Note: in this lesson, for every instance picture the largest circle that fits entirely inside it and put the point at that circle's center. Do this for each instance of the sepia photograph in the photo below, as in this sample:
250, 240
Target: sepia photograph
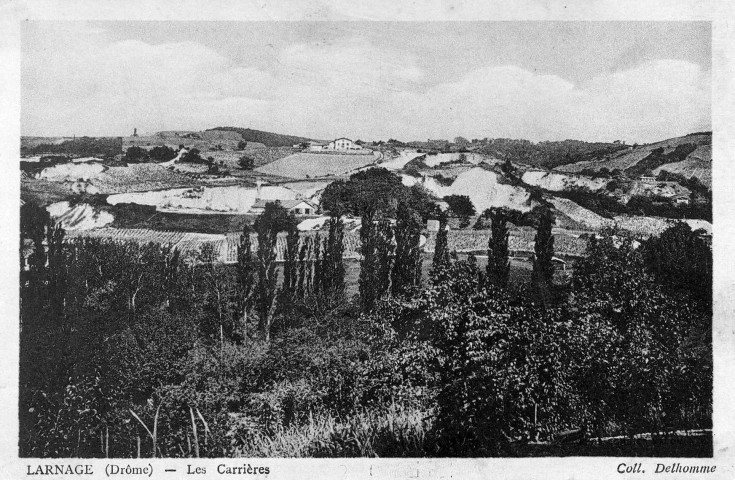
366, 239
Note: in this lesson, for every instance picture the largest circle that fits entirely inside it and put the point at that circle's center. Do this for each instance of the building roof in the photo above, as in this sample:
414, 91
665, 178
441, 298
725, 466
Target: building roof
342, 138
287, 204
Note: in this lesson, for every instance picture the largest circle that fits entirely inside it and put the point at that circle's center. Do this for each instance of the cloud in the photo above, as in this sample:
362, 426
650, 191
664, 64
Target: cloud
346, 87
646, 103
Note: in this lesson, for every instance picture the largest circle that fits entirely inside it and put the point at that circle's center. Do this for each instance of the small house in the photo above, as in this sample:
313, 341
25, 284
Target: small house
648, 179
298, 207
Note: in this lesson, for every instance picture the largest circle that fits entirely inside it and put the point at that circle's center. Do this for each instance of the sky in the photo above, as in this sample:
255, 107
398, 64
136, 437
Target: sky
595, 81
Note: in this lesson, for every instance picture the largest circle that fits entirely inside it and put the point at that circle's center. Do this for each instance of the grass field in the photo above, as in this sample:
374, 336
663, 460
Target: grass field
316, 165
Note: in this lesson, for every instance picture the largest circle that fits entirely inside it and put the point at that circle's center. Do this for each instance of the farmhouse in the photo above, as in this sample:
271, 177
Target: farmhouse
648, 179
299, 207
342, 144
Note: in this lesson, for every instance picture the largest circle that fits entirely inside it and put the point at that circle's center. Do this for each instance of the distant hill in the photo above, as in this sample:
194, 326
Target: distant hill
689, 155
548, 154
79, 146
266, 138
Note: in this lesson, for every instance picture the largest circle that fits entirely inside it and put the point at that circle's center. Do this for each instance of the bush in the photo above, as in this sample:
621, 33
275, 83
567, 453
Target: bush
246, 163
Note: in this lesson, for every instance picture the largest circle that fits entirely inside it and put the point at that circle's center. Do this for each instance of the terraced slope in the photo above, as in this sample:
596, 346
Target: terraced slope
697, 164
628, 159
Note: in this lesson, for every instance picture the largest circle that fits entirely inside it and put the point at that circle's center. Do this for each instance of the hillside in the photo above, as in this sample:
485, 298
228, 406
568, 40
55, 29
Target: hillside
688, 155
76, 146
266, 138
548, 154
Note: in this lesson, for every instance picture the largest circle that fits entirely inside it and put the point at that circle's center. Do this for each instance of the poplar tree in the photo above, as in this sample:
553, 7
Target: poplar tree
331, 278
290, 264
407, 266
441, 249
273, 220
368, 263
543, 268
498, 265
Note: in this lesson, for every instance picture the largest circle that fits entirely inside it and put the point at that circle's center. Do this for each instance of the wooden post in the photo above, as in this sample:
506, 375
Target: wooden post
138, 436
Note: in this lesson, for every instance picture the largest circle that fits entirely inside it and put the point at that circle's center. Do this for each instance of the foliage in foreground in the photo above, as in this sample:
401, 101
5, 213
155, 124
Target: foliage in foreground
128, 351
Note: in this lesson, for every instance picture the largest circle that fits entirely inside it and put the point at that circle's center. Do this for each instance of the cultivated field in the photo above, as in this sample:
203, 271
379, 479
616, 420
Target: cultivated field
581, 215
316, 165
697, 164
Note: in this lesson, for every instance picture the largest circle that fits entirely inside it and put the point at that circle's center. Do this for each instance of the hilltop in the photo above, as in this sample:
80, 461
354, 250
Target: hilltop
268, 139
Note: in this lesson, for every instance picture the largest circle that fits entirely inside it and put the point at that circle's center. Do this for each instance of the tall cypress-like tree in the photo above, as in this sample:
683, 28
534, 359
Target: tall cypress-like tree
305, 269
498, 265
273, 220
384, 249
407, 266
332, 274
368, 265
290, 264
543, 268
376, 265
441, 249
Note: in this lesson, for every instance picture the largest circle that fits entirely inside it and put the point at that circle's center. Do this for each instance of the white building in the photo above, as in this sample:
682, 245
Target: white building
341, 144
299, 207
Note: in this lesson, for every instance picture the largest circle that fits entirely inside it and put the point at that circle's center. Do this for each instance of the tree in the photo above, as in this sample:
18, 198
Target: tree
642, 354
375, 189
171, 273
217, 288
192, 156
305, 268
407, 266
135, 154
290, 264
441, 249
368, 262
246, 163
274, 219
543, 268
682, 261
241, 145
498, 265
460, 205
162, 153
384, 253
331, 279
